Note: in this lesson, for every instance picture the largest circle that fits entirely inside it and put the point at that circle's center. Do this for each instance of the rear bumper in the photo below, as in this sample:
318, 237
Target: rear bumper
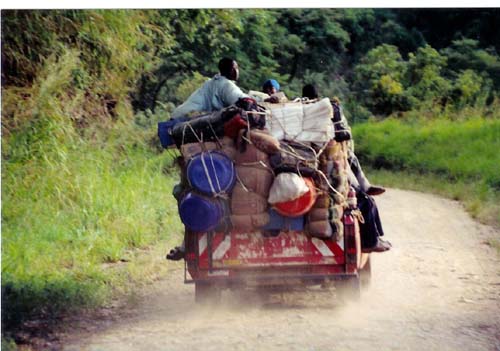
273, 280
279, 275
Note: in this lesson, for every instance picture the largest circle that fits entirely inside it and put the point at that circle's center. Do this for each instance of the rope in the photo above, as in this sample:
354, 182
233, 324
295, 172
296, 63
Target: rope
215, 172
330, 185
358, 215
205, 168
241, 183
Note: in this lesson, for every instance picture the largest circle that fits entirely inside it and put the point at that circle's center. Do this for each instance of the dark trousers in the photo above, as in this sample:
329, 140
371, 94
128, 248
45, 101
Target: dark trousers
371, 229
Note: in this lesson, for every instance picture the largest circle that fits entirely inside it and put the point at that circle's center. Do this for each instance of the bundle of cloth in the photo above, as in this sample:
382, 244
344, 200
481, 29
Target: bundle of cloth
259, 167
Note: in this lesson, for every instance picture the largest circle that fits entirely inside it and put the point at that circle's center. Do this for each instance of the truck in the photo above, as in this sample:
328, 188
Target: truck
238, 260
233, 258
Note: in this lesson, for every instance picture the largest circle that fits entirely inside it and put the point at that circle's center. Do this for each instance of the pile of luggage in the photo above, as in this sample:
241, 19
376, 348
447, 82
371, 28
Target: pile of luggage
267, 168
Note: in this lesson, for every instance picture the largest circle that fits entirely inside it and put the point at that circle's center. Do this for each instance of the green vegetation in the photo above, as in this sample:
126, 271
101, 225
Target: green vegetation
84, 182
454, 158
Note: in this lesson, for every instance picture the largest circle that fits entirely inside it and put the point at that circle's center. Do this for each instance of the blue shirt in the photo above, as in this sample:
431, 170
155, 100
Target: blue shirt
213, 95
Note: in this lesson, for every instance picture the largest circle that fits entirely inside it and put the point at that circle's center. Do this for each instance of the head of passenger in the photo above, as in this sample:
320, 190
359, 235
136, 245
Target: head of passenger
271, 86
309, 91
228, 68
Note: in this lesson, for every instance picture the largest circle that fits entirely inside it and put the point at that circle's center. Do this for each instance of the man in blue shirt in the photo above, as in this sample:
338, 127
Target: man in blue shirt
215, 94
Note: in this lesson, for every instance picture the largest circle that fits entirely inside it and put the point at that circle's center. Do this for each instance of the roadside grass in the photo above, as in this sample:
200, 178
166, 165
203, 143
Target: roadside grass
458, 159
84, 193
68, 222
482, 203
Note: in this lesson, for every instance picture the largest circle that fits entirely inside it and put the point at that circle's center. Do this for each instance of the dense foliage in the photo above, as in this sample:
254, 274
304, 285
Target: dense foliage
378, 61
82, 178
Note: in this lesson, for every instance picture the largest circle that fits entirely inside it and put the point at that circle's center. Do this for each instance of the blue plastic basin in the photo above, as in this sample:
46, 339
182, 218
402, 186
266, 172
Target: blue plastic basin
211, 173
199, 213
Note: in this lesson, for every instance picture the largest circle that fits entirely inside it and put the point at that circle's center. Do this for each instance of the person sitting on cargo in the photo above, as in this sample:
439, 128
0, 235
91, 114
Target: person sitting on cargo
371, 230
343, 133
272, 88
215, 94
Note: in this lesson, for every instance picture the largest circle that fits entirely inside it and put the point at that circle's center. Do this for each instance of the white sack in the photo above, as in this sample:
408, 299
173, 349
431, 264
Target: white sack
285, 120
301, 122
287, 187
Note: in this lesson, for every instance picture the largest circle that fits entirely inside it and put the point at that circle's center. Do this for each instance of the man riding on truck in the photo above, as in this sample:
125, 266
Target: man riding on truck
215, 94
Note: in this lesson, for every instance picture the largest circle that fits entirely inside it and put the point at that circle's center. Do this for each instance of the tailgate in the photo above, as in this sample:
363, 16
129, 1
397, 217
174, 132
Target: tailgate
240, 250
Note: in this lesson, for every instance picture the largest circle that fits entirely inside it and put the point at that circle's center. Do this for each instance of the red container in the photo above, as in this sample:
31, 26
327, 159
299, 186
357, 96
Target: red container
300, 205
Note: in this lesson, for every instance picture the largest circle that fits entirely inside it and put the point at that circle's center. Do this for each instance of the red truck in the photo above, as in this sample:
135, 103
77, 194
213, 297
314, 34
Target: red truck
218, 260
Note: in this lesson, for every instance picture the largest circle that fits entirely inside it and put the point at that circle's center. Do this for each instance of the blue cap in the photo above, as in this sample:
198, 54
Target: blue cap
271, 83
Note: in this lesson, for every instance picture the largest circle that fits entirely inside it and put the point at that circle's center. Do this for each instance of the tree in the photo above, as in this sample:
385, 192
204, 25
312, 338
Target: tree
466, 54
424, 80
322, 40
379, 79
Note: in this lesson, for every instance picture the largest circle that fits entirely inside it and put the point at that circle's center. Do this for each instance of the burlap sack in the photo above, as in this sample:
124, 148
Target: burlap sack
225, 145
249, 154
263, 141
322, 201
318, 214
319, 229
255, 178
294, 156
247, 202
336, 212
249, 222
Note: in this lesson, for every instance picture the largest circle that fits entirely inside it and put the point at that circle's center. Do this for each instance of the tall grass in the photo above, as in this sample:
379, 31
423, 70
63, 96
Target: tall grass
62, 220
460, 156
81, 187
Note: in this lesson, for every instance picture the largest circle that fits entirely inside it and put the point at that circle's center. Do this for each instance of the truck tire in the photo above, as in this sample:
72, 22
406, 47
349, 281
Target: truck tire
348, 289
365, 274
205, 293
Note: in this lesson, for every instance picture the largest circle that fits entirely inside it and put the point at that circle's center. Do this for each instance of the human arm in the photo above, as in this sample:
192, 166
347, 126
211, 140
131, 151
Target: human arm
230, 93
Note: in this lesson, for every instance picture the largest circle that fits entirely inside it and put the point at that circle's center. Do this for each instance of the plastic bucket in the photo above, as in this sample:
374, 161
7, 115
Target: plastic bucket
299, 206
198, 213
211, 173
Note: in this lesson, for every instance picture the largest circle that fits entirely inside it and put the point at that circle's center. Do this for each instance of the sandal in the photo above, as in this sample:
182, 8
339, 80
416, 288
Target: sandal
385, 242
374, 190
380, 246
176, 254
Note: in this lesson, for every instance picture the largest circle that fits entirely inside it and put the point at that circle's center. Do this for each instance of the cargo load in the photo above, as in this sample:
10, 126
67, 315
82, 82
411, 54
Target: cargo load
265, 167
265, 198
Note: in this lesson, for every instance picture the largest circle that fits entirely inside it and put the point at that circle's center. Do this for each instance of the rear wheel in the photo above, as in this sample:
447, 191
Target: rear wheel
348, 289
206, 293
365, 274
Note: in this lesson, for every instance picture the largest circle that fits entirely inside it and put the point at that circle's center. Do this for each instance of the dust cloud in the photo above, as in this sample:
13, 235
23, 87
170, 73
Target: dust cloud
437, 289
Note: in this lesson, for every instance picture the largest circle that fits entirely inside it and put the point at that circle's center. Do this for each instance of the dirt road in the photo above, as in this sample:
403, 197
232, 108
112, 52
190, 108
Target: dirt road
437, 289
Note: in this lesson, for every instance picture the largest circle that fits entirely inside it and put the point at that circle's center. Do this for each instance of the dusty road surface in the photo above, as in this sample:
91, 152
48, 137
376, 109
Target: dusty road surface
437, 289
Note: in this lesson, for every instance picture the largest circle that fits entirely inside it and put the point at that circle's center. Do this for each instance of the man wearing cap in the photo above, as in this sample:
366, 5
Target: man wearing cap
272, 88
215, 94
